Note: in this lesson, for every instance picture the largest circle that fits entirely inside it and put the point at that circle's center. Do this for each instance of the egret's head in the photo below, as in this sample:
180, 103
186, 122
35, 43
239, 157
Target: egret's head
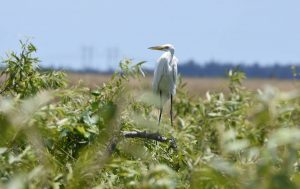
166, 47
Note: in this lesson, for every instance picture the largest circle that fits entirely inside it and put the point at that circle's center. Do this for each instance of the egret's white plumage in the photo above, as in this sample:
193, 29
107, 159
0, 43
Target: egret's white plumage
165, 75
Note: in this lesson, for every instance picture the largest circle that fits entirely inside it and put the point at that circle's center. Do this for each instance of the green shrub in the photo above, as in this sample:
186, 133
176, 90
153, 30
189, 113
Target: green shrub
72, 137
22, 74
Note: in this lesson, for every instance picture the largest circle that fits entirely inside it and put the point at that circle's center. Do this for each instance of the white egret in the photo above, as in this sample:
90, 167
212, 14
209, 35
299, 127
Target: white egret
165, 75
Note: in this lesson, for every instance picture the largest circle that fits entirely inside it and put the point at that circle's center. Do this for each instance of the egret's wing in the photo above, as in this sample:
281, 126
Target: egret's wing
158, 73
174, 71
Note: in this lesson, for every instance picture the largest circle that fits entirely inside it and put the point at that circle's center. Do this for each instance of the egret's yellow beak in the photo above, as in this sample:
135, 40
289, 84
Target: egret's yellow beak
159, 48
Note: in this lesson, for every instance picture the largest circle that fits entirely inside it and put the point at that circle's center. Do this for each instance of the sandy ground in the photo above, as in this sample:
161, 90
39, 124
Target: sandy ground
196, 86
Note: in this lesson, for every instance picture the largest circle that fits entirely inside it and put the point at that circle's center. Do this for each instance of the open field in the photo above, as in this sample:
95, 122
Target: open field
196, 86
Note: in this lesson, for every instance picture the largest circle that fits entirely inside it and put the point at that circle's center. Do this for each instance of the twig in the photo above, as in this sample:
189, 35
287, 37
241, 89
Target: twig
151, 136
3, 90
7, 88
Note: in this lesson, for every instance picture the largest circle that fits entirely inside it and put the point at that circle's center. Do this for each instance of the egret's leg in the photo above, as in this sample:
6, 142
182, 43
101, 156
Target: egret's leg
171, 110
160, 108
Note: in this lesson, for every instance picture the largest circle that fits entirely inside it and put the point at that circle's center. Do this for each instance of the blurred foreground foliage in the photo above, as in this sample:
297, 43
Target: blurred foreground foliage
53, 136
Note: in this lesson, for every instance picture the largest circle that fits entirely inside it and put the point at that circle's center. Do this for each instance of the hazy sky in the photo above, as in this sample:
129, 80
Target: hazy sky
224, 30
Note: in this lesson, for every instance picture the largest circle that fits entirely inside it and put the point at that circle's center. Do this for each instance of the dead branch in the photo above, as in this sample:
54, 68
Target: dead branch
151, 136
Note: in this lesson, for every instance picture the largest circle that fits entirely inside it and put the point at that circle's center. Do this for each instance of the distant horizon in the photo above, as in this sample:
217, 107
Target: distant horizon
213, 69
201, 64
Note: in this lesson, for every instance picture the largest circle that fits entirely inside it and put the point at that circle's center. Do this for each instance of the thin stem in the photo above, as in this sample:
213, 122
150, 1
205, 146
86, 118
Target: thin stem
160, 108
171, 110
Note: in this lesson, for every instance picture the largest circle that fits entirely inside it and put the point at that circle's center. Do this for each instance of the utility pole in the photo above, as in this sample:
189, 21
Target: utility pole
87, 56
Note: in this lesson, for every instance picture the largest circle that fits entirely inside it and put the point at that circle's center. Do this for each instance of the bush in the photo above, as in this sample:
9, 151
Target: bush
22, 74
73, 137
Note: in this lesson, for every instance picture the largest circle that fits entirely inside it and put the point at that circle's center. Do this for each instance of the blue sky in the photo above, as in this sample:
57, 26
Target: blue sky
266, 31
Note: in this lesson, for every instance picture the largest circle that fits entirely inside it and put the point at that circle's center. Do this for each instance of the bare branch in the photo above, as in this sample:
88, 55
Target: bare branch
151, 136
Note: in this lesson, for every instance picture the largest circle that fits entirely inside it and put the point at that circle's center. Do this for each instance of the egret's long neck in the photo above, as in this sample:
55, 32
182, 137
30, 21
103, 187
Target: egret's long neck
172, 54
